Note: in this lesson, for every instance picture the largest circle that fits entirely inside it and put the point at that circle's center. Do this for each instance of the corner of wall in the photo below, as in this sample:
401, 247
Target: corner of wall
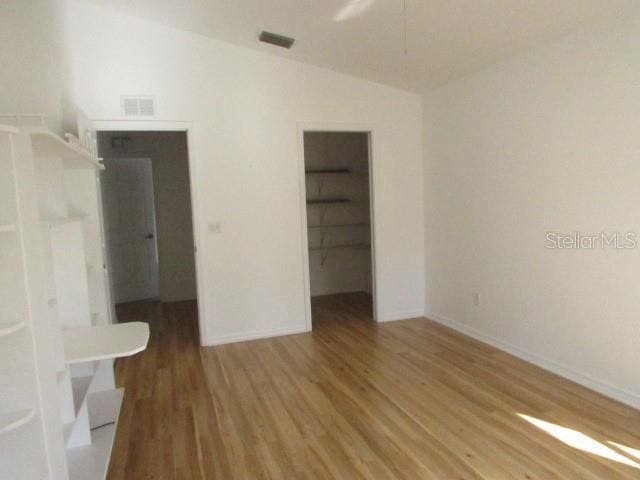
605, 389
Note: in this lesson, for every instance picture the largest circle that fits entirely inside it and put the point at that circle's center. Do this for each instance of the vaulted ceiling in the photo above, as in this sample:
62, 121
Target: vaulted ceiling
445, 39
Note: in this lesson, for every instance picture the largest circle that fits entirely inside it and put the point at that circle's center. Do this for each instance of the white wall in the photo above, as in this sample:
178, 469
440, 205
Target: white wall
31, 58
246, 107
345, 269
172, 199
548, 141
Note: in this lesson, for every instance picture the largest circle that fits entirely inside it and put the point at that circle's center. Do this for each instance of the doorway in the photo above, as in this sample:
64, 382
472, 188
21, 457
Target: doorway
146, 196
338, 204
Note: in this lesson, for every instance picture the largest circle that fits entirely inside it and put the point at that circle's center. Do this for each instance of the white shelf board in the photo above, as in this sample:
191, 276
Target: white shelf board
356, 246
9, 328
104, 407
52, 222
340, 225
47, 143
67, 429
80, 388
88, 344
92, 461
7, 227
8, 129
11, 421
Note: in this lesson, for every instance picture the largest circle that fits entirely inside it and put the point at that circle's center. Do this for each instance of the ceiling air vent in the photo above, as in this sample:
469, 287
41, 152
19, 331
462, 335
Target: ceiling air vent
275, 39
137, 105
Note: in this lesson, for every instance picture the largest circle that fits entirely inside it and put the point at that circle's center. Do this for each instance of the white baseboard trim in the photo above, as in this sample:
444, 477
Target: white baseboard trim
255, 335
400, 315
610, 391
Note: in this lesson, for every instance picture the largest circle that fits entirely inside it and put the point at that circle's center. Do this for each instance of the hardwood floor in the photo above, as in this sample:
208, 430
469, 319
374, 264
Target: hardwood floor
403, 400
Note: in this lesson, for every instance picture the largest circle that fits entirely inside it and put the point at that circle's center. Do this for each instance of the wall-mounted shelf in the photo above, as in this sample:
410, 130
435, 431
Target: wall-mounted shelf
88, 344
9, 328
340, 225
326, 171
7, 227
335, 247
8, 129
326, 201
61, 221
13, 420
73, 154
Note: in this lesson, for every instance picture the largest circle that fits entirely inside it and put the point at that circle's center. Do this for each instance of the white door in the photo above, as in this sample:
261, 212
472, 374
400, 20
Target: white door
130, 224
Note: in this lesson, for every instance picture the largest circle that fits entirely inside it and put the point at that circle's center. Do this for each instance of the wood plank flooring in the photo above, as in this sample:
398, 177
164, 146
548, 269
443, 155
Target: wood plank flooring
353, 400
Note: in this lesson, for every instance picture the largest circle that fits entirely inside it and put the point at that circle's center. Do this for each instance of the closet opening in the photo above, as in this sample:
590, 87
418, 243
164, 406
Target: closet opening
147, 211
339, 207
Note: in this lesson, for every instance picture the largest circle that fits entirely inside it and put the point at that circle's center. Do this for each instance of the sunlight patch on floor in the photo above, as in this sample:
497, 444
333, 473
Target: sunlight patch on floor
579, 440
628, 450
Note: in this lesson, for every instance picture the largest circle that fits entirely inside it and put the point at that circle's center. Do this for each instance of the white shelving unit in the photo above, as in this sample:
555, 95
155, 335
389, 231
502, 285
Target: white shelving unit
21, 433
105, 409
13, 420
9, 328
90, 344
73, 154
57, 339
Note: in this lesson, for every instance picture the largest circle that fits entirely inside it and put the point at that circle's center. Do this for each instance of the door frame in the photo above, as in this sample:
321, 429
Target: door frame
370, 130
172, 126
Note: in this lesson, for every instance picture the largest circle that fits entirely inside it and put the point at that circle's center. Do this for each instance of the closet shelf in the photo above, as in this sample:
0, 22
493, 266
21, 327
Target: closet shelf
73, 154
323, 201
61, 221
88, 344
7, 227
323, 171
8, 129
9, 328
13, 420
358, 246
341, 225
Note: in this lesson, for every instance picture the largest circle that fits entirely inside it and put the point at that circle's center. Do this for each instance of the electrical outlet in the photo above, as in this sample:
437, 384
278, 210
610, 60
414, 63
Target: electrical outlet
476, 299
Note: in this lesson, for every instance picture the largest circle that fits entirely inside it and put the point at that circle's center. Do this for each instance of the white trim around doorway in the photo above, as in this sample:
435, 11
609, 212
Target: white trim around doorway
172, 126
335, 127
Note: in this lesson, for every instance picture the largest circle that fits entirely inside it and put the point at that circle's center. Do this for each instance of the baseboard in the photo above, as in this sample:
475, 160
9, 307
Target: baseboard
400, 315
610, 391
255, 335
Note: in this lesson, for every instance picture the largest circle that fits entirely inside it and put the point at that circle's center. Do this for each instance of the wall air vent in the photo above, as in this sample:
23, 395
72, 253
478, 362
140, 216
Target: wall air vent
275, 39
137, 105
